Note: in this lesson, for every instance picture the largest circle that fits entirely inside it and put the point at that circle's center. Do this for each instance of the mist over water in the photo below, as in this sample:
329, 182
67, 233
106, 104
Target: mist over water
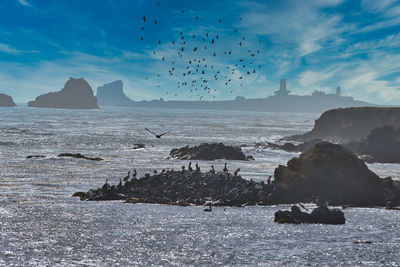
41, 224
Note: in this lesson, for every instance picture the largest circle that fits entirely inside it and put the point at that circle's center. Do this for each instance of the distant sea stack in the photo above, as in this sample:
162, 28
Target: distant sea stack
350, 124
112, 94
76, 94
6, 101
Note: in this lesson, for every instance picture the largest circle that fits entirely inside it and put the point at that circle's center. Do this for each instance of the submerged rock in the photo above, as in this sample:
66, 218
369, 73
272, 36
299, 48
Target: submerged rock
76, 94
208, 152
319, 215
329, 172
6, 101
35, 156
290, 147
78, 156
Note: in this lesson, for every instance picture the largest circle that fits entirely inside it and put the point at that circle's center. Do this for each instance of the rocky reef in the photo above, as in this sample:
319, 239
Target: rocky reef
290, 147
78, 156
76, 94
208, 152
112, 94
6, 101
331, 173
350, 124
321, 215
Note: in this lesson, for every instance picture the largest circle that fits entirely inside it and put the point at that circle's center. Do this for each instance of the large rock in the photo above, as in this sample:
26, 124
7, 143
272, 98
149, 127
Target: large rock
208, 152
112, 94
6, 101
381, 145
334, 174
76, 94
350, 124
321, 215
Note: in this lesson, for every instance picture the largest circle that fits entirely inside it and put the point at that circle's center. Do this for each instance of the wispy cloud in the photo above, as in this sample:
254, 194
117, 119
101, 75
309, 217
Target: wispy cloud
14, 51
24, 3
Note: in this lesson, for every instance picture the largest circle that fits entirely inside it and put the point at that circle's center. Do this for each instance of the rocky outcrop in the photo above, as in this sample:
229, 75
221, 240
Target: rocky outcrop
208, 152
78, 156
321, 215
290, 147
331, 173
112, 94
184, 188
350, 124
76, 94
6, 101
381, 145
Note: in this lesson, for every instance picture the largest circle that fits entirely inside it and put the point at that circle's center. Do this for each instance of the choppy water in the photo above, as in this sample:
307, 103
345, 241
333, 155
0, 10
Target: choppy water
41, 224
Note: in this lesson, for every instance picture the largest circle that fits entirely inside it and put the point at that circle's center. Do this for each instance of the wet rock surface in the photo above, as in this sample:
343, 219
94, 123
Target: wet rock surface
208, 152
78, 156
290, 147
322, 215
331, 173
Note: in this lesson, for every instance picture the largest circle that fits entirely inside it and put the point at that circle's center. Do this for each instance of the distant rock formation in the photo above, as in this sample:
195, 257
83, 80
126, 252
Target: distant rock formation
76, 94
350, 124
112, 94
208, 152
381, 145
330, 173
6, 101
320, 214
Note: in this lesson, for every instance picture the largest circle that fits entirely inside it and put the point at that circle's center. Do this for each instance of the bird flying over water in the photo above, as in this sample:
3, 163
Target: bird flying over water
157, 135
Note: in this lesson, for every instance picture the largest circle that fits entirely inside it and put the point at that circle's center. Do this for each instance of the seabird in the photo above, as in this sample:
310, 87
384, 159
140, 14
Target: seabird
209, 209
157, 135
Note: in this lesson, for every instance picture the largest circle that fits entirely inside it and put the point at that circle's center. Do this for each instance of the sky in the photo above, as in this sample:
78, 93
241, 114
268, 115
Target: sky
314, 44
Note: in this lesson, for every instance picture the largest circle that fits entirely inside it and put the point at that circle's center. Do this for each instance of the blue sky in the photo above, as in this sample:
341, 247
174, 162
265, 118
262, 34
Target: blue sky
314, 44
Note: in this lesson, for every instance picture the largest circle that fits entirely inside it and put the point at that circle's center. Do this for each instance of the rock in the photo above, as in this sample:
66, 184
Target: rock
381, 145
112, 94
334, 174
350, 124
185, 188
35, 156
78, 156
249, 157
76, 94
138, 146
290, 147
6, 101
208, 152
318, 215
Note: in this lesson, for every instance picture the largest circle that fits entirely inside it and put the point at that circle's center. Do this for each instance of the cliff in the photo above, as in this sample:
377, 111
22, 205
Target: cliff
6, 101
112, 94
76, 94
350, 124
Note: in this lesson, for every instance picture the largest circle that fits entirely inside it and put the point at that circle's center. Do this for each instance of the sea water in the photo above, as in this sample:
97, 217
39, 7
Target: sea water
41, 224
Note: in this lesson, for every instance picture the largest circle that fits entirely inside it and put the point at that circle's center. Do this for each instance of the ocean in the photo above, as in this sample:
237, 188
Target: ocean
42, 225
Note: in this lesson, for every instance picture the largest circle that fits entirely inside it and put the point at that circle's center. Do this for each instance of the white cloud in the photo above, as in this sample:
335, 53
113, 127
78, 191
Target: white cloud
12, 50
24, 3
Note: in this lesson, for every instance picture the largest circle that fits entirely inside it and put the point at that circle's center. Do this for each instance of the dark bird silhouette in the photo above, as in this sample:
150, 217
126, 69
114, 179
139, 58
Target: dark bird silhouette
155, 21
142, 28
158, 3
236, 172
197, 167
144, 18
225, 168
182, 11
212, 169
157, 135
219, 20
209, 209
127, 177
196, 18
190, 167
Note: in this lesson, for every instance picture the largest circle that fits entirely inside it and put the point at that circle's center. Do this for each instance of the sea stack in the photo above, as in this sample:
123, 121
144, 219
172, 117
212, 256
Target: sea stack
112, 94
6, 101
76, 94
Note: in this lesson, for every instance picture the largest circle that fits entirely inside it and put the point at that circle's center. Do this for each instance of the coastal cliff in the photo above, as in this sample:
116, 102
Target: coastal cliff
76, 94
6, 101
350, 124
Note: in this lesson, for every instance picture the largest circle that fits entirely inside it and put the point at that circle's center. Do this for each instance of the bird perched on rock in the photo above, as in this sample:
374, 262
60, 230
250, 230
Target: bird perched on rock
236, 172
127, 177
134, 173
209, 209
190, 167
197, 167
183, 168
225, 168
212, 169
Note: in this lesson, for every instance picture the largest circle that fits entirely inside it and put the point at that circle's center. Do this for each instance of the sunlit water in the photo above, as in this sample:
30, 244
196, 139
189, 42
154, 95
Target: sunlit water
41, 224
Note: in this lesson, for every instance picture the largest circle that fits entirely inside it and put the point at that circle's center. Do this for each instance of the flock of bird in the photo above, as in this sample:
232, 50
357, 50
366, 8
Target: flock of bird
198, 63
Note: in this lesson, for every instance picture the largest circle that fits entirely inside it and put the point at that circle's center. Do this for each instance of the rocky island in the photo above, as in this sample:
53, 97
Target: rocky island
6, 101
76, 94
112, 94
328, 173
207, 151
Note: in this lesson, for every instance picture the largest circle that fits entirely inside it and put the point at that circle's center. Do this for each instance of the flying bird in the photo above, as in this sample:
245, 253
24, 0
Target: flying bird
157, 135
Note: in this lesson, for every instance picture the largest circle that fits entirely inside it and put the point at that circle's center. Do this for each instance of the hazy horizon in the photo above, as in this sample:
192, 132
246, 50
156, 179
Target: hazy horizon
315, 45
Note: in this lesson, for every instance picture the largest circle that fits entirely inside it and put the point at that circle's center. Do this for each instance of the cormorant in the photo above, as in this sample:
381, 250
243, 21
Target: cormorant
212, 169
225, 168
236, 172
209, 209
197, 167
190, 167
